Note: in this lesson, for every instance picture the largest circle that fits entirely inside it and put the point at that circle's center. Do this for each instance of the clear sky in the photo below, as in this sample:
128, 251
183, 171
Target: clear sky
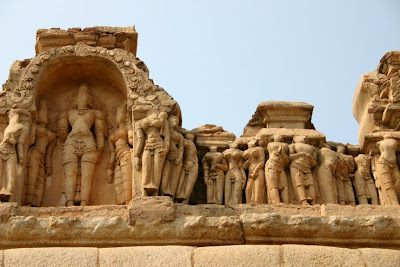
219, 59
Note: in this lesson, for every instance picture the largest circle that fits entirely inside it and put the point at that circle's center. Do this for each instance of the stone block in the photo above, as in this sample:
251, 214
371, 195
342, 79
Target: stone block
51, 257
242, 255
303, 255
146, 256
151, 208
381, 257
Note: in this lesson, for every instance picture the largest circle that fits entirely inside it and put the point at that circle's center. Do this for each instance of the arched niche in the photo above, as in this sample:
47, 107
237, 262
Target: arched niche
58, 83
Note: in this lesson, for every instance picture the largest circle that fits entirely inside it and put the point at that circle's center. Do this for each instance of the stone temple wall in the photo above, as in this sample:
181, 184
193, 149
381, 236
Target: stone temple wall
96, 169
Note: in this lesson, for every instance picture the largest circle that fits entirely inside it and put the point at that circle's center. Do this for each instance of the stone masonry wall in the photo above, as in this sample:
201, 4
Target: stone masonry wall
237, 255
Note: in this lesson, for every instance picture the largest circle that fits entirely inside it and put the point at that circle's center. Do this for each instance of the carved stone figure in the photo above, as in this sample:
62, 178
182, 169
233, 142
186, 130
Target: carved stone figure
364, 184
12, 153
39, 160
173, 161
387, 172
214, 166
189, 171
235, 179
81, 150
153, 141
344, 169
275, 176
302, 158
254, 158
326, 175
120, 160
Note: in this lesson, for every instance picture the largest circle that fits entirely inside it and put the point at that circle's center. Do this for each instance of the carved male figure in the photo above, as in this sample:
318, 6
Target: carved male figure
387, 172
235, 178
302, 158
174, 159
275, 176
120, 160
153, 141
39, 160
364, 184
189, 171
12, 152
326, 175
82, 149
254, 158
214, 166
345, 167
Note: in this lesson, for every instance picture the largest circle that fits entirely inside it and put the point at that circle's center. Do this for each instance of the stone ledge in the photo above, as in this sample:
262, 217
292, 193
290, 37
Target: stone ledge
236, 255
158, 221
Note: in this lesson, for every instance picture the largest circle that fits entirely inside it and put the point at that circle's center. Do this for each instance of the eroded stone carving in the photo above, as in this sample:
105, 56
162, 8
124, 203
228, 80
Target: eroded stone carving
173, 161
189, 171
275, 176
326, 175
387, 175
153, 142
39, 159
82, 149
254, 158
345, 167
12, 153
214, 166
120, 163
302, 158
364, 184
235, 179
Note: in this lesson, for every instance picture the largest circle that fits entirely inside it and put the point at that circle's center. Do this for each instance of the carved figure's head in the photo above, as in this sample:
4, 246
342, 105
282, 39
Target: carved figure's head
83, 97
121, 114
189, 136
213, 148
299, 139
173, 121
341, 149
278, 138
42, 113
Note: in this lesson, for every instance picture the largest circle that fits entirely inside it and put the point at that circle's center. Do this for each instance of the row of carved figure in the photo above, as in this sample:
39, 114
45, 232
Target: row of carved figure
165, 158
341, 178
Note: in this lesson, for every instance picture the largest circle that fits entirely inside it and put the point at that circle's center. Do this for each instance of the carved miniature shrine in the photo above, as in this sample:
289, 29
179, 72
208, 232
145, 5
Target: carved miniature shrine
82, 124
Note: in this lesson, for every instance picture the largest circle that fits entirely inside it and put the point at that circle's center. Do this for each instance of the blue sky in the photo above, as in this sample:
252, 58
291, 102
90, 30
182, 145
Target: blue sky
219, 59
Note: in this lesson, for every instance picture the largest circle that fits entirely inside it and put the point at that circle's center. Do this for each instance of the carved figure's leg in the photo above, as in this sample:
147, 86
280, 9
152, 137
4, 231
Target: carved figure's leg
341, 190
283, 184
11, 173
249, 191
126, 173
229, 188
32, 175
237, 188
359, 185
272, 179
349, 192
259, 187
118, 184
40, 184
191, 180
157, 169
166, 178
70, 173
87, 173
372, 192
174, 178
219, 190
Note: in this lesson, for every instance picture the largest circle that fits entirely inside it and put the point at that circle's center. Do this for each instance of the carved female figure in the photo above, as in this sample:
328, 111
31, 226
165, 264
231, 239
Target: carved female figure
387, 171
81, 150
363, 183
254, 158
189, 171
120, 159
275, 176
326, 175
153, 141
302, 158
235, 178
214, 166
12, 152
39, 160
173, 161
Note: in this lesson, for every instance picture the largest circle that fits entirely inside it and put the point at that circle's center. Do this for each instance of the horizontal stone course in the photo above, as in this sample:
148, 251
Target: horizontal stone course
236, 255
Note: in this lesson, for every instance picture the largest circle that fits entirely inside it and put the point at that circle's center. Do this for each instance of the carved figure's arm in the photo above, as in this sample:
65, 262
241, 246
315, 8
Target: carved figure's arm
63, 127
32, 134
49, 151
139, 145
100, 130
206, 168
111, 161
20, 144
223, 166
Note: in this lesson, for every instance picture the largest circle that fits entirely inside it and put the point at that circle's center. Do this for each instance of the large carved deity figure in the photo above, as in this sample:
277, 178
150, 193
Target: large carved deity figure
235, 179
39, 161
302, 158
345, 167
173, 161
364, 185
214, 166
254, 158
120, 160
326, 175
12, 153
153, 141
189, 171
82, 148
387, 175
275, 176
